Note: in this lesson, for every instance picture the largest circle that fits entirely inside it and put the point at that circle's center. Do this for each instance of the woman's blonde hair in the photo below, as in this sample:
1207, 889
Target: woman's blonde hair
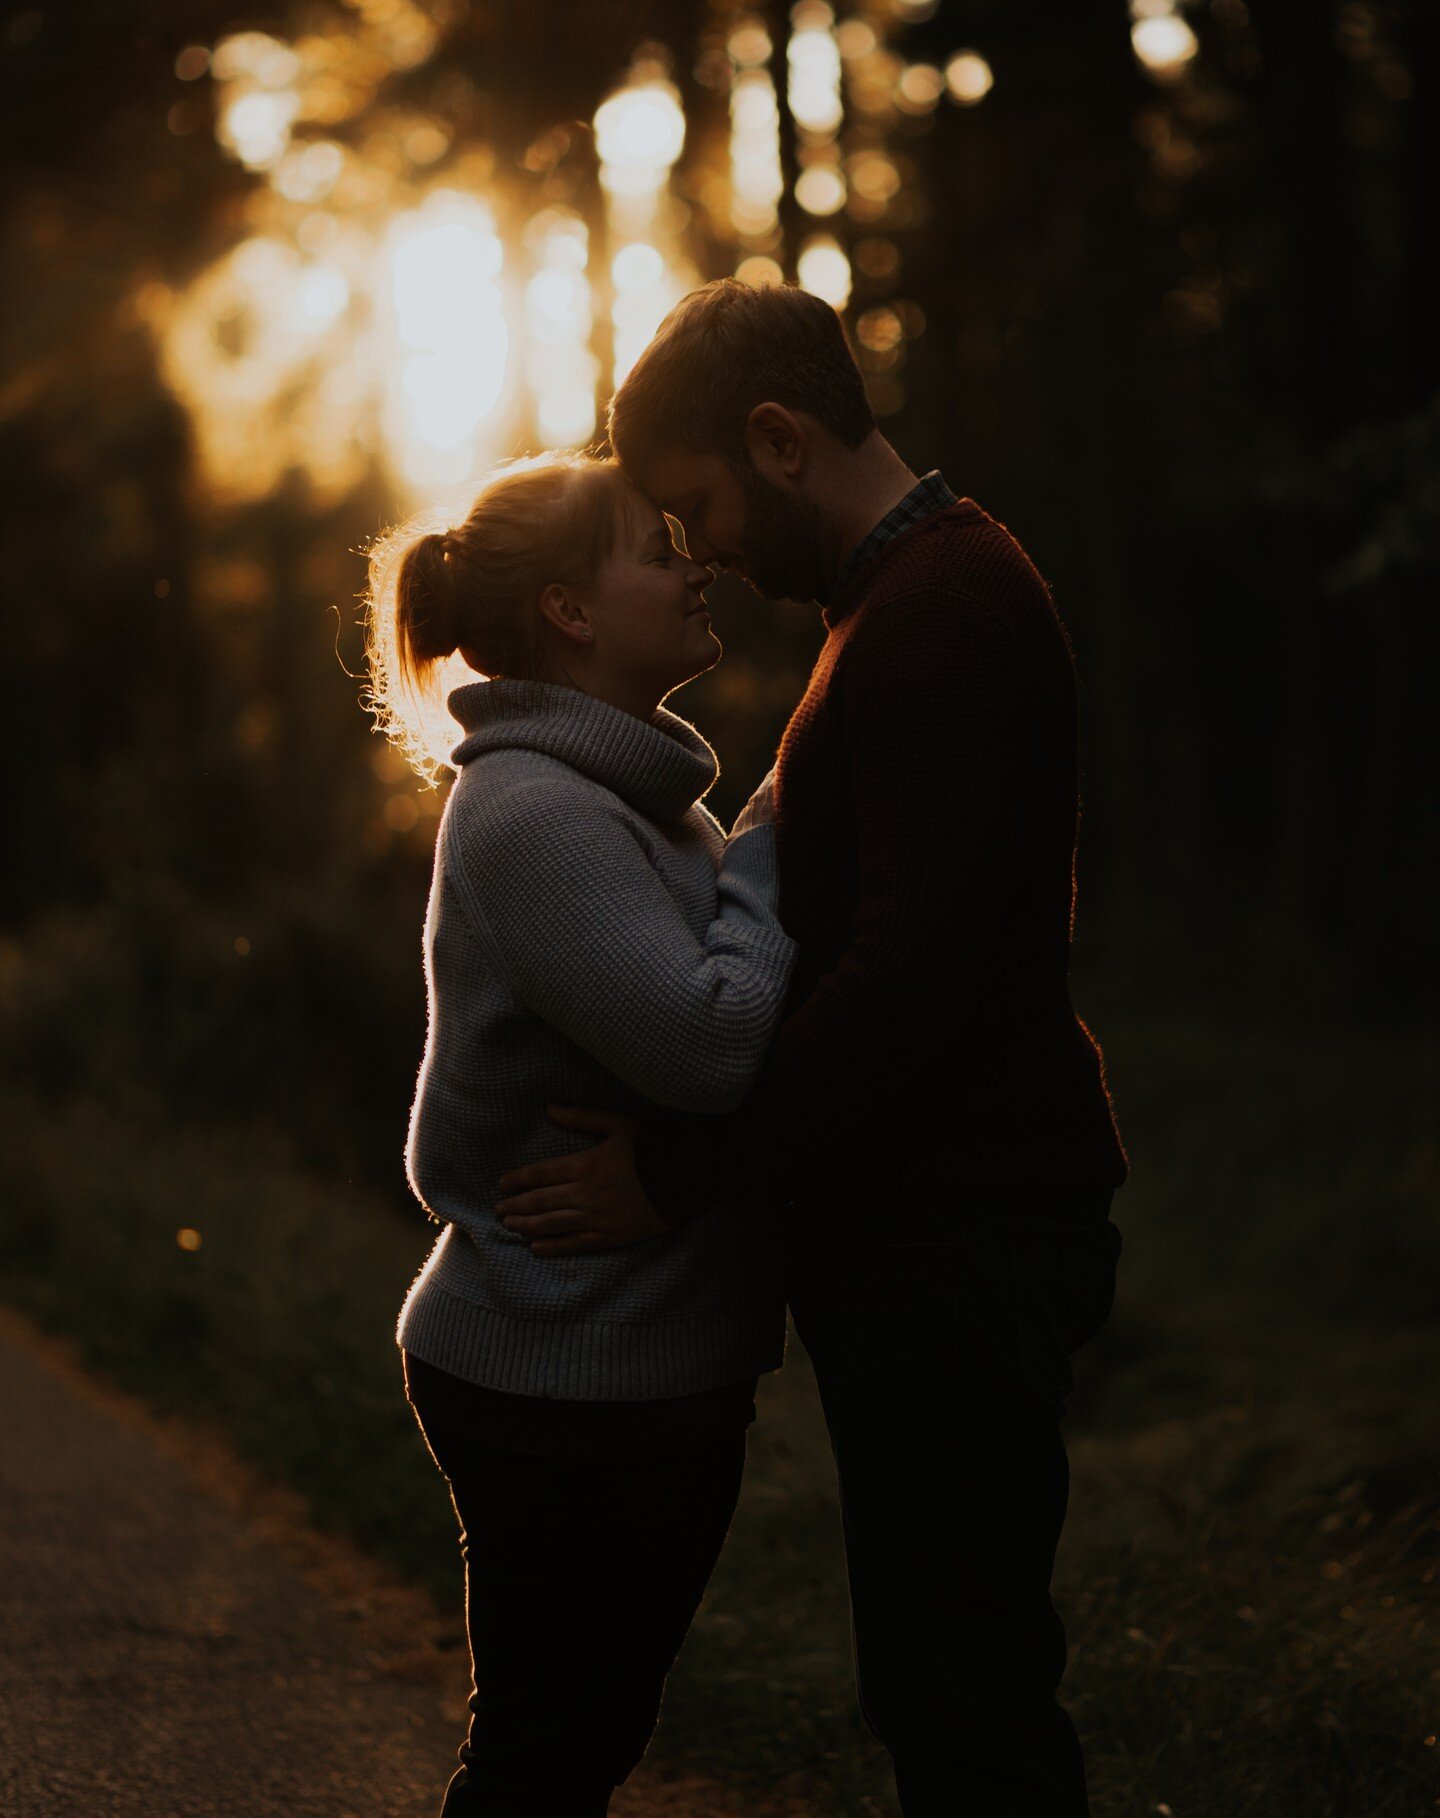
474, 587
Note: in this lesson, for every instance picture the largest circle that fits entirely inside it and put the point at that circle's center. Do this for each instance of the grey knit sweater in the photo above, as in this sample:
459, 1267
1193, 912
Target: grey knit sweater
591, 939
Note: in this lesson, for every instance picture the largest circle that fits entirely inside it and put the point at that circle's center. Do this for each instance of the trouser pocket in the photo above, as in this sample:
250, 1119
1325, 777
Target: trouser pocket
1064, 1283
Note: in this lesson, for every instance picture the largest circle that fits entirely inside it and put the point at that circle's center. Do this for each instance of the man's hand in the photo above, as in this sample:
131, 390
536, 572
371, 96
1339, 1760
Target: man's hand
592, 1200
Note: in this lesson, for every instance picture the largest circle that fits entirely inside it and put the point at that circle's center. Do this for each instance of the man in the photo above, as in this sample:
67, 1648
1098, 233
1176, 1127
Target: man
933, 1111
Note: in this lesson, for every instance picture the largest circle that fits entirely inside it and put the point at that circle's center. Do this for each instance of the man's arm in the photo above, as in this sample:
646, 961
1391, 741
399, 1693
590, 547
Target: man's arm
940, 702
940, 697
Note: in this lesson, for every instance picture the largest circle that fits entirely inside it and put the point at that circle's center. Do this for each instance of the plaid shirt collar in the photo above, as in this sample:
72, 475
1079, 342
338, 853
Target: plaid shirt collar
924, 499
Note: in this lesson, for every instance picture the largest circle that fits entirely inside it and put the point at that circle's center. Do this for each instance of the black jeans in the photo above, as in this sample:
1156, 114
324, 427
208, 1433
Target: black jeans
943, 1368
582, 1575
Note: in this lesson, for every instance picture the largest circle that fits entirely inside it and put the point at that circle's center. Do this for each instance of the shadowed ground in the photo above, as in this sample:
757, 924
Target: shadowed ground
1248, 1574
178, 1643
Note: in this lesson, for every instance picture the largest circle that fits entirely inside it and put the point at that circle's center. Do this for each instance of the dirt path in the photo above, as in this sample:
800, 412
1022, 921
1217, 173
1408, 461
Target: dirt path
175, 1642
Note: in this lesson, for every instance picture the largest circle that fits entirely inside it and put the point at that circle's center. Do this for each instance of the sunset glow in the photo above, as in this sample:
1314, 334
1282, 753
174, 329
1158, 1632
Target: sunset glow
450, 340
968, 77
824, 270
250, 347
1161, 38
1163, 42
820, 190
757, 181
639, 133
562, 371
393, 300
814, 64
258, 99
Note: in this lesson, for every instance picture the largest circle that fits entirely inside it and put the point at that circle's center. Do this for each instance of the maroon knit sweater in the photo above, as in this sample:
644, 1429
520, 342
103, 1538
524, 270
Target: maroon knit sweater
931, 1065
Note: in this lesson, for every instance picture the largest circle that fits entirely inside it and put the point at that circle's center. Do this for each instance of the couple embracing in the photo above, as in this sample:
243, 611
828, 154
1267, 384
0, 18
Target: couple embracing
675, 1078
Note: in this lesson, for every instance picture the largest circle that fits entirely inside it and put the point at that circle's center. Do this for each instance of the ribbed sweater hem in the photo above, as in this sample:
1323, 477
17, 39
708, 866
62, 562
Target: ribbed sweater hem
589, 1360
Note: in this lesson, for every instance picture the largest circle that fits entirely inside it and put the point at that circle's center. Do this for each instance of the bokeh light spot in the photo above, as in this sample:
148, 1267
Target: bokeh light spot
758, 271
968, 77
820, 190
824, 270
919, 88
880, 330
401, 813
1164, 43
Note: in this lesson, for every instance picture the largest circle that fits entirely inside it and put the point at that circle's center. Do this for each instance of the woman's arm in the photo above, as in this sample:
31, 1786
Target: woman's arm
570, 909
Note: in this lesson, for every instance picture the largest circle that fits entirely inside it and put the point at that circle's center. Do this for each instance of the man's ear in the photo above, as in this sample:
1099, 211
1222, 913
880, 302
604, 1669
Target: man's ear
563, 612
777, 441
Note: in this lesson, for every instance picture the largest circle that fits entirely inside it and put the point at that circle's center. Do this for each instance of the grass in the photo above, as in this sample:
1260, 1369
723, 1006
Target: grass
1249, 1571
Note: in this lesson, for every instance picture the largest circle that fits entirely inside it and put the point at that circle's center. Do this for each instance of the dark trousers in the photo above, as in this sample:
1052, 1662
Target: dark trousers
943, 1368
582, 1576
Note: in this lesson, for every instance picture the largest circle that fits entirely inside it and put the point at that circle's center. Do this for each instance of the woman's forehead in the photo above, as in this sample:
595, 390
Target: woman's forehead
641, 518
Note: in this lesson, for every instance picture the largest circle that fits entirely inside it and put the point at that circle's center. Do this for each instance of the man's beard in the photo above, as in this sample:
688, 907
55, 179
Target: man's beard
786, 541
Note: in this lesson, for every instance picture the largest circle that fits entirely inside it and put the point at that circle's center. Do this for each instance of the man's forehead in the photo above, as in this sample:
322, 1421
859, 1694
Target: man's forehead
673, 477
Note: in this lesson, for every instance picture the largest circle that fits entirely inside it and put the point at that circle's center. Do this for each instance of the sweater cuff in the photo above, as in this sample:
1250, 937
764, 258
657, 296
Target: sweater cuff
750, 857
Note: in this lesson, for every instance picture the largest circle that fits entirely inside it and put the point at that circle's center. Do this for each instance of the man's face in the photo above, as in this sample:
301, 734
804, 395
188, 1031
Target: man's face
775, 538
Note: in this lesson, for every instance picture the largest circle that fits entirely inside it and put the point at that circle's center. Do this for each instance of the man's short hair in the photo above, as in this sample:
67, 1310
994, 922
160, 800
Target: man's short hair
724, 349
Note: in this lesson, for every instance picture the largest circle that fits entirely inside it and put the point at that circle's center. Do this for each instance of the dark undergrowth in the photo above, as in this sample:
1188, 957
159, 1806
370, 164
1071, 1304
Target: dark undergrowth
1249, 1571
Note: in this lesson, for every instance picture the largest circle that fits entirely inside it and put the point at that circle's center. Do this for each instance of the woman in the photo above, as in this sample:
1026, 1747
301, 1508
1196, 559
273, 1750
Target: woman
592, 938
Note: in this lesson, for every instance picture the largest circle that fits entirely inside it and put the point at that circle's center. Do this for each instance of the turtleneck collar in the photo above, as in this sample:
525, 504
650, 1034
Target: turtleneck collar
660, 768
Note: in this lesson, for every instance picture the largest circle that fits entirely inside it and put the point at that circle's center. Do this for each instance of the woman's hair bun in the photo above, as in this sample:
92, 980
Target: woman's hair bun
429, 603
474, 588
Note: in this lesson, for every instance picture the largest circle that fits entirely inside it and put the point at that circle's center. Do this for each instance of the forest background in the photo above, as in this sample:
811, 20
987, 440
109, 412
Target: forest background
1175, 323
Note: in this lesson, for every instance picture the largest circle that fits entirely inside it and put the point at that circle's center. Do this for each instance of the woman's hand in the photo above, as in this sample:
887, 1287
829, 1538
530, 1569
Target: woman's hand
591, 1200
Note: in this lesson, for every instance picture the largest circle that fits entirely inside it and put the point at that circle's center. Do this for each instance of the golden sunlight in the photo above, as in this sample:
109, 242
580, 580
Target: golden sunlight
450, 341
968, 77
252, 335
1162, 40
824, 270
259, 102
562, 371
813, 56
393, 300
757, 179
759, 270
919, 88
820, 190
639, 133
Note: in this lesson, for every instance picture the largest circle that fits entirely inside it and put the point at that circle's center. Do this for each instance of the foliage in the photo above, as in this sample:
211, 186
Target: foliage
1248, 1573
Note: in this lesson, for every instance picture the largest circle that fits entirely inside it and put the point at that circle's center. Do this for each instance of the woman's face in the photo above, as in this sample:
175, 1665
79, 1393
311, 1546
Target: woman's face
645, 612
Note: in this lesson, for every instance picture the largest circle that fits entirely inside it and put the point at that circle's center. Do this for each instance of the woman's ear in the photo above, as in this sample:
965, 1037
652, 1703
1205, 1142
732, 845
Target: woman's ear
563, 612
